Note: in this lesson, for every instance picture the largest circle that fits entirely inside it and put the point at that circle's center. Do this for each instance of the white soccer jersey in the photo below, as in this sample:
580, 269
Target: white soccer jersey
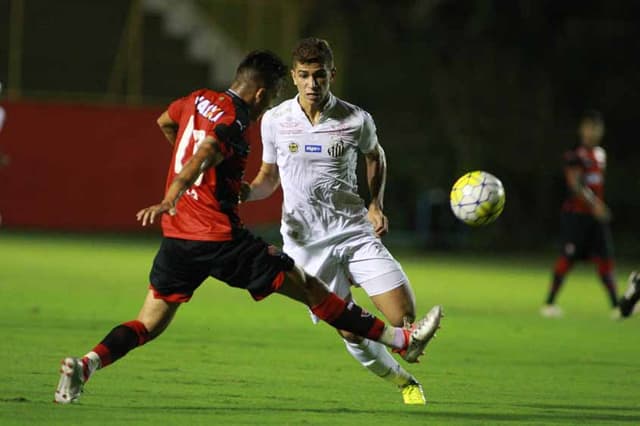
317, 167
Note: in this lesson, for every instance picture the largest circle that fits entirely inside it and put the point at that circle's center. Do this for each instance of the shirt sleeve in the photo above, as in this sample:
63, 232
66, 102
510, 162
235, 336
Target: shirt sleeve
368, 136
175, 109
229, 132
2, 117
269, 154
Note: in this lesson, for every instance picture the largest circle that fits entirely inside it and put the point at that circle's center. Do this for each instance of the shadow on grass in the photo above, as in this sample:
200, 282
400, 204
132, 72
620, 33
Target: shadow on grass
423, 413
584, 413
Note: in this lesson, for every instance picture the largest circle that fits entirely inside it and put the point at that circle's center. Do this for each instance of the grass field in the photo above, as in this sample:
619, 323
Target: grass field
227, 360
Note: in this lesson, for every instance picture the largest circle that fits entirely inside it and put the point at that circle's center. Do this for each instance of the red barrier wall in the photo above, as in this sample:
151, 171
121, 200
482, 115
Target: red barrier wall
91, 167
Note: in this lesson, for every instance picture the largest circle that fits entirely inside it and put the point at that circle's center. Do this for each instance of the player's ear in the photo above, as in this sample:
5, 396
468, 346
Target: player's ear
260, 95
333, 74
293, 75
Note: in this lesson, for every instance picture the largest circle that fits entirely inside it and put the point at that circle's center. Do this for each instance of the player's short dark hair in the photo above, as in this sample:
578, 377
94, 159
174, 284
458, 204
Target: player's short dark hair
264, 67
593, 116
313, 50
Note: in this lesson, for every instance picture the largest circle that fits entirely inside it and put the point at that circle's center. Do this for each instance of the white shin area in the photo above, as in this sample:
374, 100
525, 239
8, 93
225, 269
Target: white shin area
376, 358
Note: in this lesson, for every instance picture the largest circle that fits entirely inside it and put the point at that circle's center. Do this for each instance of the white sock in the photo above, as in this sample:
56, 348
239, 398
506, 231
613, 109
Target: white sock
93, 362
376, 358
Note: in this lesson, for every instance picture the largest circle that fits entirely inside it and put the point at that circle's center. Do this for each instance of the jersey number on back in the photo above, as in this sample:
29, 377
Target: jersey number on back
198, 136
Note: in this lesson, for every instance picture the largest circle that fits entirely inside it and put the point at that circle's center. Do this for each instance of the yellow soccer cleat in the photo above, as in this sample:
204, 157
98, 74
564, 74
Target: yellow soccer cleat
412, 394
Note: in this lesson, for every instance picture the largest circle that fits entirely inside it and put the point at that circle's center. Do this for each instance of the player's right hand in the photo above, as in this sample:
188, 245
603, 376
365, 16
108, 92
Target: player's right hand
602, 212
147, 215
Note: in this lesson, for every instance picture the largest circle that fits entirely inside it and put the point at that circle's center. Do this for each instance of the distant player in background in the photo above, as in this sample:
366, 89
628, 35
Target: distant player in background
4, 159
585, 216
311, 145
204, 236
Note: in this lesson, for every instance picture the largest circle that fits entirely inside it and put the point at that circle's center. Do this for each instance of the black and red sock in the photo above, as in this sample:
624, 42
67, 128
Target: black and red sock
120, 341
348, 316
607, 276
560, 270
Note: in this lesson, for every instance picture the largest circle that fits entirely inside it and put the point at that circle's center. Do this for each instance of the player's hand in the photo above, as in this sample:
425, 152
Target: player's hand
150, 213
378, 220
602, 212
245, 191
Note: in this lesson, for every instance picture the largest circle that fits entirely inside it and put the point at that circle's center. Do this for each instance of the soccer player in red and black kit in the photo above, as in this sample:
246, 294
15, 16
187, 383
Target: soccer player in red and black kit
585, 216
203, 235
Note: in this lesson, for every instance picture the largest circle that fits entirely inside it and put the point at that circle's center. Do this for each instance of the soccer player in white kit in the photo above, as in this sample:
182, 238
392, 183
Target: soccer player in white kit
310, 146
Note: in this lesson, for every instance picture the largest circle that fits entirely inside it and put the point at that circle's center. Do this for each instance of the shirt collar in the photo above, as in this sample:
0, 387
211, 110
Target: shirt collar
331, 102
236, 96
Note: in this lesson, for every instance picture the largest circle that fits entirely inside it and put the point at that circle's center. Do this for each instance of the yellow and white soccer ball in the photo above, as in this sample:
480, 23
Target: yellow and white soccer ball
477, 198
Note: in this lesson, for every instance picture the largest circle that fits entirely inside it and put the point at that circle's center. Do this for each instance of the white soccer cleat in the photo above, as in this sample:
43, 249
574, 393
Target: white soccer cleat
71, 381
631, 296
420, 333
551, 311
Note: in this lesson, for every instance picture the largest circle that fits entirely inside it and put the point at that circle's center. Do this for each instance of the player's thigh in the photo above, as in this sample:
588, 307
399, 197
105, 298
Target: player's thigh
250, 263
180, 267
602, 243
372, 267
156, 313
576, 235
322, 262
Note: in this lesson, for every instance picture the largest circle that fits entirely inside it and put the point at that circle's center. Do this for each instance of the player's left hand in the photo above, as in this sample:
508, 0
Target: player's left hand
378, 220
148, 214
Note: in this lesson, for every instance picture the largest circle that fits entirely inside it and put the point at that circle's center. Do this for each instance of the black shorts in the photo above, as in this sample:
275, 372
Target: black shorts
584, 237
245, 262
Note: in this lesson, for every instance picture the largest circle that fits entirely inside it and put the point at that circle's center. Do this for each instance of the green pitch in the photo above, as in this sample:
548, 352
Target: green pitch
227, 360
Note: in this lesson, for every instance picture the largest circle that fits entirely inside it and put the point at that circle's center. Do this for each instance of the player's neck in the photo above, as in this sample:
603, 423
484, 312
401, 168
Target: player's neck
313, 111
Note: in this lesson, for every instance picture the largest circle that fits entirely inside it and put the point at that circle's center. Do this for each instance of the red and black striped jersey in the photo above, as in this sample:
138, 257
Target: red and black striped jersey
592, 163
208, 211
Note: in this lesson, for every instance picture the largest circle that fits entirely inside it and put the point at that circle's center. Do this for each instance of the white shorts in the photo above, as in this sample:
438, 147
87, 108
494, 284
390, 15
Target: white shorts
360, 260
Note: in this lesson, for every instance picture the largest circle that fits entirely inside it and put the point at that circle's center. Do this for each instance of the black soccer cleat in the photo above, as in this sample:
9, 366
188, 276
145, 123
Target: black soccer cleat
631, 295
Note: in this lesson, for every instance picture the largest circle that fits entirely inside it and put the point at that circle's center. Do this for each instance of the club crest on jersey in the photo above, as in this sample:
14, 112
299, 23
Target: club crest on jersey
312, 148
293, 147
336, 150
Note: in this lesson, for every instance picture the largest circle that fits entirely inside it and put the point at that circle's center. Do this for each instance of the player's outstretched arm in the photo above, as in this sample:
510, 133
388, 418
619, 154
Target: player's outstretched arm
377, 178
168, 127
207, 155
573, 175
264, 184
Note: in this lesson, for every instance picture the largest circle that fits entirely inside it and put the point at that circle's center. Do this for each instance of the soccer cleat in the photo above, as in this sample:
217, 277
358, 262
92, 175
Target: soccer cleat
412, 393
631, 295
71, 381
551, 311
420, 333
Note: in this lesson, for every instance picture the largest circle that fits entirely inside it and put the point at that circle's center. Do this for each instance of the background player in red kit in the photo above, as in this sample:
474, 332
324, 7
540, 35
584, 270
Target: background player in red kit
585, 216
203, 235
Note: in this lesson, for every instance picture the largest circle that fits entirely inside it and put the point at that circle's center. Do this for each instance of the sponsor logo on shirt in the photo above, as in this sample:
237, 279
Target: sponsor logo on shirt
313, 148
207, 109
293, 147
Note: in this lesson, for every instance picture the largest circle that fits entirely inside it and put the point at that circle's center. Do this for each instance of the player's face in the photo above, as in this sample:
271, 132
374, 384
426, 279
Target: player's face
591, 132
313, 81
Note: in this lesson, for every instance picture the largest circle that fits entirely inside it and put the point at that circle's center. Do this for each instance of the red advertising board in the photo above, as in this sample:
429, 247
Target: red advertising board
83, 168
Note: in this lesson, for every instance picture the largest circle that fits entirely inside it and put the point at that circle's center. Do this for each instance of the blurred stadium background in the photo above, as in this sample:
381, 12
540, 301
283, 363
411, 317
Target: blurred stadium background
453, 86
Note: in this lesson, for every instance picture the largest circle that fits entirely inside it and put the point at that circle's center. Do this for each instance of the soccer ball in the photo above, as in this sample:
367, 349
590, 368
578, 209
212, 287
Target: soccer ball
477, 198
